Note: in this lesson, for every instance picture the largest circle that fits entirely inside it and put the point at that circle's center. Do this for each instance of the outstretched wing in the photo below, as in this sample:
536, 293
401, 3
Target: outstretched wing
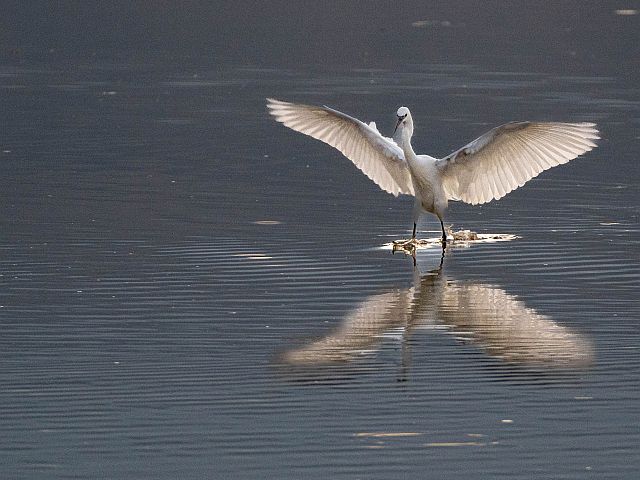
510, 155
378, 157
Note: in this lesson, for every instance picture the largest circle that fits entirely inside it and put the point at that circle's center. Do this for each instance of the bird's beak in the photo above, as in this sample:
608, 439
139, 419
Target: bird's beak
397, 124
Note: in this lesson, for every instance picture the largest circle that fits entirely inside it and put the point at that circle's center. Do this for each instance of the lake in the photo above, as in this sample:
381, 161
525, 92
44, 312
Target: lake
190, 290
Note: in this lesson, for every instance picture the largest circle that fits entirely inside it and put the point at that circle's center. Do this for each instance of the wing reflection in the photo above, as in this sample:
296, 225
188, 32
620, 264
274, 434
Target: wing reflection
484, 315
360, 332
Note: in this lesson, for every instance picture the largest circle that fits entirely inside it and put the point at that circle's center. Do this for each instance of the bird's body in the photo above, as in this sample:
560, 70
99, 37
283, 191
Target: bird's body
425, 176
488, 168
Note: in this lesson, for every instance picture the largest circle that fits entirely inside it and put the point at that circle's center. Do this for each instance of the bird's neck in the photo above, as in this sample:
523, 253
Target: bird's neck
404, 142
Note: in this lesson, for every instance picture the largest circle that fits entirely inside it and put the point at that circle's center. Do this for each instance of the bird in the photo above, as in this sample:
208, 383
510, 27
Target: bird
486, 169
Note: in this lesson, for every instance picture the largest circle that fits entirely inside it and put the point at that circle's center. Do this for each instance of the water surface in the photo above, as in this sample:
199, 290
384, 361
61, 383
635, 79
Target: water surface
189, 289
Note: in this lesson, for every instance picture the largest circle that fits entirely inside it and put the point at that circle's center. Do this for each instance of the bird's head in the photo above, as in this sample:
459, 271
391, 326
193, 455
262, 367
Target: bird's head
404, 124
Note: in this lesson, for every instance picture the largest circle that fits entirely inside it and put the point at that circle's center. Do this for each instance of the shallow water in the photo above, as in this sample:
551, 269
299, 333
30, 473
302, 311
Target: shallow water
189, 289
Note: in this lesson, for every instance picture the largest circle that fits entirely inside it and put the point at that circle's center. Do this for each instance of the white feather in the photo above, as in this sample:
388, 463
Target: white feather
510, 155
378, 157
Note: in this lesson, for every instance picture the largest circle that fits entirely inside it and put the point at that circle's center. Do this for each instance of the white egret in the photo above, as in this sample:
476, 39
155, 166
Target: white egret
486, 169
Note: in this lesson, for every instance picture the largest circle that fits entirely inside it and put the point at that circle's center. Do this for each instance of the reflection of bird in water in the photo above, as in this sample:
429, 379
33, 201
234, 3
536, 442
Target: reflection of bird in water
486, 169
360, 331
488, 316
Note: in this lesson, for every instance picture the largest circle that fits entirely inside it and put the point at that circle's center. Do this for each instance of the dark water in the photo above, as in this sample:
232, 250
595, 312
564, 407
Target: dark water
189, 290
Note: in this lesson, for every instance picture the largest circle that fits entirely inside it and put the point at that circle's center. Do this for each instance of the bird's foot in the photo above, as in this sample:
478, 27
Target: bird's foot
408, 247
405, 246
412, 242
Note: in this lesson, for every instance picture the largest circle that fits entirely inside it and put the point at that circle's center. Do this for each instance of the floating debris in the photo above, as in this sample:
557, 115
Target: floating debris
253, 256
455, 444
266, 222
387, 434
625, 12
431, 23
460, 238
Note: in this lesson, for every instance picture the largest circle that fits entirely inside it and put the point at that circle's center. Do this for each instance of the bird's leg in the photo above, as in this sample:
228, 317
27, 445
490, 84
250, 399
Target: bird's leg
408, 243
444, 235
417, 205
